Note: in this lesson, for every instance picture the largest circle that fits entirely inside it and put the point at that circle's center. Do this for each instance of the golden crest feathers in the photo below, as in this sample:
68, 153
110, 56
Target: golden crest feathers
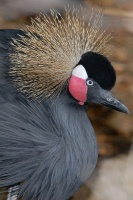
44, 59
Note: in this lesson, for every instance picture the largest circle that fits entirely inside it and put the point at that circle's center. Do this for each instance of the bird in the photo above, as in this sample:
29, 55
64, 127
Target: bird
50, 71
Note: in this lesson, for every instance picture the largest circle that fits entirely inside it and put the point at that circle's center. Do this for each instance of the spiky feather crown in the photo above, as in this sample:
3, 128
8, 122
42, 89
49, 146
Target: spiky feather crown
44, 59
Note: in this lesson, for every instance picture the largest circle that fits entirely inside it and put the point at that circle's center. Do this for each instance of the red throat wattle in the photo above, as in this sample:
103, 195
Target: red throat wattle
78, 89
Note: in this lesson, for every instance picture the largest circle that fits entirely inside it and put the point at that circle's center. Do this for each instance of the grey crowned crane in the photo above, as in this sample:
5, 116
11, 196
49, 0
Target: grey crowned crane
49, 72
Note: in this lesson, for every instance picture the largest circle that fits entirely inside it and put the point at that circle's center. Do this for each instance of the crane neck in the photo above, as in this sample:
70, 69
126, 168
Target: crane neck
76, 133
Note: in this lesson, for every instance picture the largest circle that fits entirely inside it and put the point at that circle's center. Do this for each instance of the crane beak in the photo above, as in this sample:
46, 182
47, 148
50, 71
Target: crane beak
107, 99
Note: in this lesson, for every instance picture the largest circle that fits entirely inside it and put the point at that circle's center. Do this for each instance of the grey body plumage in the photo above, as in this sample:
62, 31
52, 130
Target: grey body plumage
42, 144
49, 146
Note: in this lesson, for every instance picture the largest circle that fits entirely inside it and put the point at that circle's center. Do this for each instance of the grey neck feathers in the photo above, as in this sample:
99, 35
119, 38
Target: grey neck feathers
79, 148
77, 134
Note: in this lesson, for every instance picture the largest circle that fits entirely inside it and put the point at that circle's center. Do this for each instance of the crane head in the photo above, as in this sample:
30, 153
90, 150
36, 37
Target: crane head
91, 81
56, 50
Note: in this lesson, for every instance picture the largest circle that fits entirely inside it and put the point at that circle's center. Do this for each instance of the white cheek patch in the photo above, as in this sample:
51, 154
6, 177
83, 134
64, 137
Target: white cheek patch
80, 72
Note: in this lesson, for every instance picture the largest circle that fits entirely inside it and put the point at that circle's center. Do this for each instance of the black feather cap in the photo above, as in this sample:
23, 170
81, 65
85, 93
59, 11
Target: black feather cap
99, 68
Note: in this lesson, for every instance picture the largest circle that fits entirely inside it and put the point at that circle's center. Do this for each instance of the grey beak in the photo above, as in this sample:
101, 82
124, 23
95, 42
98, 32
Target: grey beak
109, 100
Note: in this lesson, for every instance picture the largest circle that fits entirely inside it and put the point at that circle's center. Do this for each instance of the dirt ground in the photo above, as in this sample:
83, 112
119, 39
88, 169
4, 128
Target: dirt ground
114, 130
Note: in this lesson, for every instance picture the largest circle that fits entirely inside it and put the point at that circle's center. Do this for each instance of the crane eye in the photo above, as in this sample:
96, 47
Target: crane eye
89, 82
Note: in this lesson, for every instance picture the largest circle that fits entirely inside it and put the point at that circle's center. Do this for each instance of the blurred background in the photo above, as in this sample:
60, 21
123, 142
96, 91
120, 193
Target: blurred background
113, 176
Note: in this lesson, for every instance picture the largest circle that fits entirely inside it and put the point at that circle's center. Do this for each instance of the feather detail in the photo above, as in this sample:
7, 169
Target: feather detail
44, 58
